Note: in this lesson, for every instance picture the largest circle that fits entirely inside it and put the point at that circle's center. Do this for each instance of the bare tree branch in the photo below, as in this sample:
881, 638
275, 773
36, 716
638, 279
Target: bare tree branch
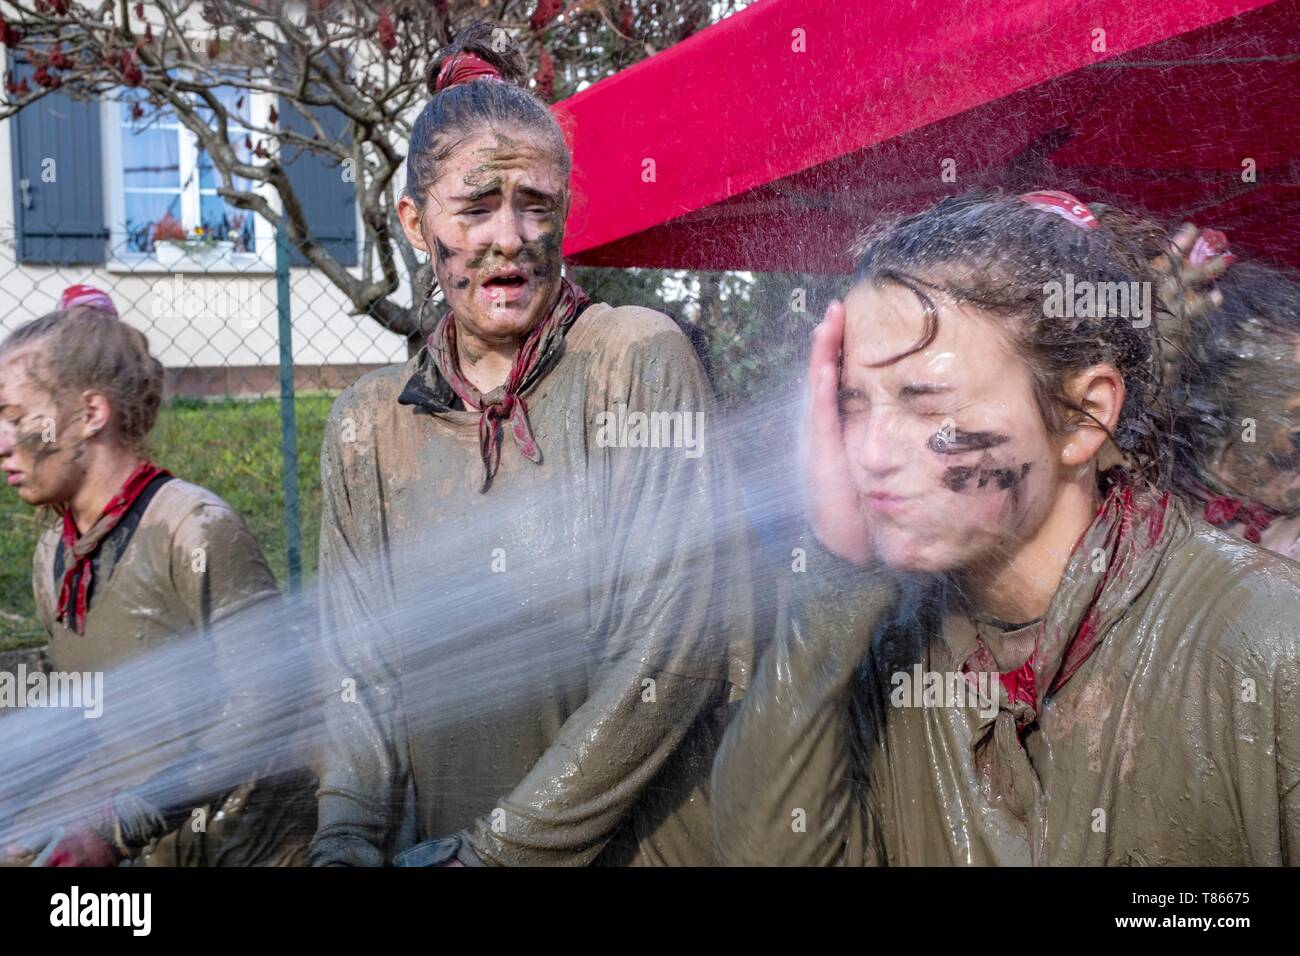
313, 54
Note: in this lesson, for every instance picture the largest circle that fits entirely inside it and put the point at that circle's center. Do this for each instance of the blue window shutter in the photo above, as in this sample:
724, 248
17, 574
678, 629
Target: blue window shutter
329, 203
58, 222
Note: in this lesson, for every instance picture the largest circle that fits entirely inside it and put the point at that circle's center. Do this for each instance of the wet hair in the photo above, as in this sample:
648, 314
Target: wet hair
83, 348
453, 114
1225, 374
999, 254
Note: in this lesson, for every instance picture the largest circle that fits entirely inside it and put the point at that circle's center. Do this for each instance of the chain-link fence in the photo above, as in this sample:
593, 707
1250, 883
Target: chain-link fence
256, 349
244, 402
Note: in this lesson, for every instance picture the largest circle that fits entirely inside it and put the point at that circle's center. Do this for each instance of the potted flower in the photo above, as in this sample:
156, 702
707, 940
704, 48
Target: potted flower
172, 244
168, 240
204, 246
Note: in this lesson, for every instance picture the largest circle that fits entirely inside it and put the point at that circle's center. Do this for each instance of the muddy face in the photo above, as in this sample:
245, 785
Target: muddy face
950, 456
1267, 470
41, 442
493, 222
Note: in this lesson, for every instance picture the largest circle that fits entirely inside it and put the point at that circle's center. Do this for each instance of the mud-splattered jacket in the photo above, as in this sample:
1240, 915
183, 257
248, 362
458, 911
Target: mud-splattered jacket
538, 670
1176, 742
178, 565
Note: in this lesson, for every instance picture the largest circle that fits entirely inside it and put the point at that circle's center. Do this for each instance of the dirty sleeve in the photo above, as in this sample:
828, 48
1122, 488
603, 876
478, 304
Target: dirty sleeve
366, 790
785, 782
218, 572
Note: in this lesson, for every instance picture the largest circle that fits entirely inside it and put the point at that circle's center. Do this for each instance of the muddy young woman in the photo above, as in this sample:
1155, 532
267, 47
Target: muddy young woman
475, 524
1237, 435
114, 578
1144, 662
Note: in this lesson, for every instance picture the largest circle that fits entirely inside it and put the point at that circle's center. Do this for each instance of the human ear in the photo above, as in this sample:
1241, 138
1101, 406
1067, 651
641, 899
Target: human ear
1099, 392
408, 213
97, 411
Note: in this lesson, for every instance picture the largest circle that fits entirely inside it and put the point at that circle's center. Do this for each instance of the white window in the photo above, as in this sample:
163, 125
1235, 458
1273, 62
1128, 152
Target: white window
161, 186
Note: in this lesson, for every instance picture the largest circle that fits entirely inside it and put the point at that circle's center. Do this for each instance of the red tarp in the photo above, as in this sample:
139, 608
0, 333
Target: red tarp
770, 159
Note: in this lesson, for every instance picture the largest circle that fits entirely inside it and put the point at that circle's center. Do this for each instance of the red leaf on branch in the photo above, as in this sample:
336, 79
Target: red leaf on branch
8, 35
61, 7
545, 76
625, 18
136, 111
387, 32
131, 74
547, 10
272, 116
139, 10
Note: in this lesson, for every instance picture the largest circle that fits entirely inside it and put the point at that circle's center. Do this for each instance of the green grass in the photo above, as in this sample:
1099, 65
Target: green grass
229, 447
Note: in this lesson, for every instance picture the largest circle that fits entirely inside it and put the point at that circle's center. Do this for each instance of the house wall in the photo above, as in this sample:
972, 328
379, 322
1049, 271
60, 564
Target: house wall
209, 329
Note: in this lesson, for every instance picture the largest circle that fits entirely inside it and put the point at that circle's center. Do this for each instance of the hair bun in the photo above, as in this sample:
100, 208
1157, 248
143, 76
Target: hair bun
480, 51
462, 68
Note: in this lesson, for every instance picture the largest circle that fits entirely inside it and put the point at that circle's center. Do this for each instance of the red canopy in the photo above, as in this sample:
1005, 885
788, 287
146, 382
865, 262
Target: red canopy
767, 158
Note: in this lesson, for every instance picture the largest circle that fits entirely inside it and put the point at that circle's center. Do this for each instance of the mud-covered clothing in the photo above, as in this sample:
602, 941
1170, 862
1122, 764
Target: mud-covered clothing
176, 566
78, 550
1175, 741
621, 608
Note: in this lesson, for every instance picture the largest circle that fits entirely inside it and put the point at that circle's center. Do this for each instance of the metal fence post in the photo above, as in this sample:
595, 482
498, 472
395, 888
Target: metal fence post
288, 418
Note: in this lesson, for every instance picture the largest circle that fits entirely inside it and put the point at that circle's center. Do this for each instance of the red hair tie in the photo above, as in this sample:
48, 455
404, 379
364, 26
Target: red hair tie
1063, 205
462, 68
87, 295
1210, 244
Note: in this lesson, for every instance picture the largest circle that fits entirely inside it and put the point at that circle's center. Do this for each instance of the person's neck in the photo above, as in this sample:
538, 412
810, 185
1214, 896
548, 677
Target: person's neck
485, 364
1020, 588
106, 474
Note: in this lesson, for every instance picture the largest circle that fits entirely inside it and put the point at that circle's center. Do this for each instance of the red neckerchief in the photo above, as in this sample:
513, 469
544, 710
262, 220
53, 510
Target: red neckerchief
1222, 511
1126, 529
531, 363
79, 549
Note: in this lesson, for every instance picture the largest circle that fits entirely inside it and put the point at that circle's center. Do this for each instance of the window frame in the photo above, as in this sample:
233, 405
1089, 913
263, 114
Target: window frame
120, 259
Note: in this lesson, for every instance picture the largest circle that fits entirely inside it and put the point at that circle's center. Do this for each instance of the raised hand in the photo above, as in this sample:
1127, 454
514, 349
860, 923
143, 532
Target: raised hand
837, 519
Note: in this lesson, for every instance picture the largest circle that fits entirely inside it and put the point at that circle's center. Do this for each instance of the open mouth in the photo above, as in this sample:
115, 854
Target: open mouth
511, 281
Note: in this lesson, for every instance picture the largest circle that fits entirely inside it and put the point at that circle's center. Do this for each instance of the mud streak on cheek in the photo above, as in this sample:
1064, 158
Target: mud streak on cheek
445, 254
960, 442
958, 479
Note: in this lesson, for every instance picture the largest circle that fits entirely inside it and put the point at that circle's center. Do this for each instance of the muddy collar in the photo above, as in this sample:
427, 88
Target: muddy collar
426, 389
